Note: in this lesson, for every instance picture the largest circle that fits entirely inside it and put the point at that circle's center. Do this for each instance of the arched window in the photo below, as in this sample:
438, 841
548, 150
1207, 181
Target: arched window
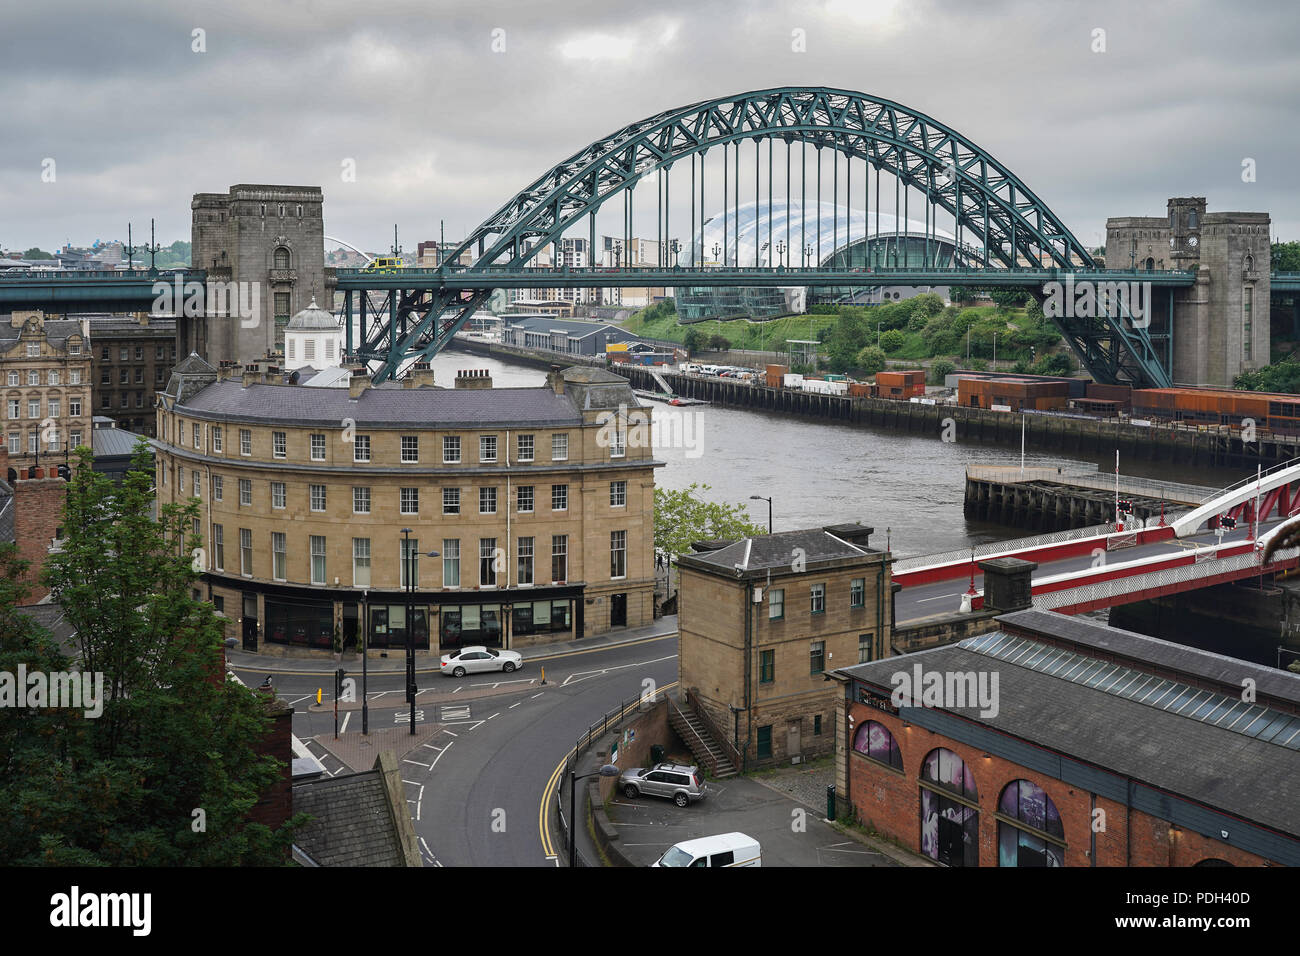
875, 741
282, 258
1213, 861
1150, 264
1250, 263
1191, 219
949, 827
1044, 844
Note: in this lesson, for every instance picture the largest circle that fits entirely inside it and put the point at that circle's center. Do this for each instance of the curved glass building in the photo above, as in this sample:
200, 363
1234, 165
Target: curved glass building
809, 235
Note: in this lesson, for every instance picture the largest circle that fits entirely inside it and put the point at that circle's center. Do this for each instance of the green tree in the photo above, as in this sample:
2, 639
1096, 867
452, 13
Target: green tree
872, 359
174, 735
683, 516
1286, 256
35, 253
719, 342
1006, 299
694, 341
1058, 363
1281, 377
893, 340
940, 370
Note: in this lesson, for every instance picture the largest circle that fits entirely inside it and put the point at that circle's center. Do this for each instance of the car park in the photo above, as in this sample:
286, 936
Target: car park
473, 660
681, 784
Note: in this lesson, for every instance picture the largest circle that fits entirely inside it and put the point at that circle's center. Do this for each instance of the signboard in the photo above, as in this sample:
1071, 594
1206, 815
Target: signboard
1000, 408
1144, 423
878, 701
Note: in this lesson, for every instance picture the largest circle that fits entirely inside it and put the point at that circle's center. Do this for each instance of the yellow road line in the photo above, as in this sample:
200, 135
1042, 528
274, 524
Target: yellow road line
544, 809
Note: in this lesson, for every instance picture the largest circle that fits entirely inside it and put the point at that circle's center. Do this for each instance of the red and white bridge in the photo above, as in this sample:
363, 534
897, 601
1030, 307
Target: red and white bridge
1106, 565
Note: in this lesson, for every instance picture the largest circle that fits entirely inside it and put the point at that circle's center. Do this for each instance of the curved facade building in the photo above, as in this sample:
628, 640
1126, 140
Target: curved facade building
810, 235
538, 501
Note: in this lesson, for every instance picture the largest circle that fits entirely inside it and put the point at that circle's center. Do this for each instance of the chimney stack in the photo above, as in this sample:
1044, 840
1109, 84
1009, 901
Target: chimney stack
359, 382
473, 378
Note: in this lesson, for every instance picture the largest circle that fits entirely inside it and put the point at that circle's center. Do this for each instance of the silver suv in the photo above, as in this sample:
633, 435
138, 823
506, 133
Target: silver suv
680, 784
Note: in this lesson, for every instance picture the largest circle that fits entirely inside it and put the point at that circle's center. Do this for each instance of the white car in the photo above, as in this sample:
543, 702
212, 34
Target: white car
471, 660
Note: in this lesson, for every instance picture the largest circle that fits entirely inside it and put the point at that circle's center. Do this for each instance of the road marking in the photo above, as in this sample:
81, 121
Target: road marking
497, 684
346, 718
439, 757
404, 716
430, 746
426, 766
535, 696
419, 801
514, 705
306, 697
450, 734
414, 783
497, 714
455, 713
433, 859
459, 689
607, 647
577, 676
941, 597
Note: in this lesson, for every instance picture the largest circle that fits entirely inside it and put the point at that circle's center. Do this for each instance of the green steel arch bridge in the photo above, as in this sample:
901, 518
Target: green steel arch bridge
1006, 234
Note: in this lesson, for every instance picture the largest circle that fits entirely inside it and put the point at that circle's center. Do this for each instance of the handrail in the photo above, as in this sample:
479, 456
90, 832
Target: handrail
728, 748
708, 757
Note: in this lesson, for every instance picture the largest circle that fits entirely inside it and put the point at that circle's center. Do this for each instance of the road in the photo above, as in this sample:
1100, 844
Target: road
475, 787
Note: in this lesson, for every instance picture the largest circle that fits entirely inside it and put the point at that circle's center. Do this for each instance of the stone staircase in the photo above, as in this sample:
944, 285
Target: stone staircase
701, 743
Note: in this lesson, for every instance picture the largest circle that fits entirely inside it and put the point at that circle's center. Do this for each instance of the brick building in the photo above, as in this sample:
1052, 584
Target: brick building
131, 357
45, 368
1096, 747
31, 517
763, 619
539, 507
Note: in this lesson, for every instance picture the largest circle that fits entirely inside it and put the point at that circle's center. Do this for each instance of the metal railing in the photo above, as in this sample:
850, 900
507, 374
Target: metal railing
1173, 491
593, 733
1117, 587
730, 750
917, 562
704, 744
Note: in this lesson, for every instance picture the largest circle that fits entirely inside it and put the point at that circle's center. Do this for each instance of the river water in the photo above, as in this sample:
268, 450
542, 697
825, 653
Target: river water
908, 487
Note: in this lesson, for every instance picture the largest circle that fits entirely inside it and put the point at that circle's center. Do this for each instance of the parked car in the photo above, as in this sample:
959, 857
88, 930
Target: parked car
471, 660
725, 849
674, 782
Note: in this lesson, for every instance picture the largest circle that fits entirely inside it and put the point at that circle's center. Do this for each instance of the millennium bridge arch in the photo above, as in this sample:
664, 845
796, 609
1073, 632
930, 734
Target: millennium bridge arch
998, 221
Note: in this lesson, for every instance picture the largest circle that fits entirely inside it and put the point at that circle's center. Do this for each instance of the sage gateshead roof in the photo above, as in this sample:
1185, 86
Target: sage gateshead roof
800, 235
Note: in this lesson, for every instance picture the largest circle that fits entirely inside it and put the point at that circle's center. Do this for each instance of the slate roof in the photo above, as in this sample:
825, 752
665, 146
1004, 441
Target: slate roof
385, 408
1241, 775
574, 328
773, 551
114, 442
353, 823
56, 332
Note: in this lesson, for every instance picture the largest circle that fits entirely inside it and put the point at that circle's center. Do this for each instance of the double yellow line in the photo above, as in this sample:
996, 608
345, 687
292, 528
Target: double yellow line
552, 786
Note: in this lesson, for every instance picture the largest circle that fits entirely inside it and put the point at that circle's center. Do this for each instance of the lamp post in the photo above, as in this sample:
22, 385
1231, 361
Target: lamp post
365, 648
780, 251
717, 250
769, 509
408, 557
807, 252
609, 770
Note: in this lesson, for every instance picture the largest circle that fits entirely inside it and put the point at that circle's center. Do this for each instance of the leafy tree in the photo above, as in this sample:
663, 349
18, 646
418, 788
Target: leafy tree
36, 253
1020, 366
977, 365
962, 294
1286, 256
872, 359
1281, 377
1057, 363
719, 342
1006, 299
892, 341
694, 341
683, 516
940, 370
174, 735
928, 304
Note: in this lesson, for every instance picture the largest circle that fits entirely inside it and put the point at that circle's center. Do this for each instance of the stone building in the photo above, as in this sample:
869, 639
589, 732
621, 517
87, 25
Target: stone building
538, 503
45, 367
131, 357
1221, 322
1058, 741
762, 621
269, 242
313, 338
31, 517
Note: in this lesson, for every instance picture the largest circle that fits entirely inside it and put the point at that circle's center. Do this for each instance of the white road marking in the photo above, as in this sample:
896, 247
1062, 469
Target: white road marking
346, 717
418, 801
514, 705
426, 766
458, 689
439, 757
497, 714
577, 676
535, 696
430, 746
414, 783
307, 697
941, 597
455, 713
450, 734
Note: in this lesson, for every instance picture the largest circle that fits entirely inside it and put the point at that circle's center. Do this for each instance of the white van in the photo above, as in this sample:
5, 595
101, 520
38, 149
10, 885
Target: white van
726, 849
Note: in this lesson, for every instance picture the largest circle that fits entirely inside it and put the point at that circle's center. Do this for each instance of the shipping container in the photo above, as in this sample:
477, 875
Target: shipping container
792, 380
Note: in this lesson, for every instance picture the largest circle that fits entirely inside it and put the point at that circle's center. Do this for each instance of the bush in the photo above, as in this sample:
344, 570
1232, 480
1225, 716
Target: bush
719, 342
940, 370
872, 359
1056, 364
892, 340
978, 365
694, 341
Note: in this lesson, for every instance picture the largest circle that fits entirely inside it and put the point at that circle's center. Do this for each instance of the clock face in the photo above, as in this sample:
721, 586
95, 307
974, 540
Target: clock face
1171, 242
1193, 241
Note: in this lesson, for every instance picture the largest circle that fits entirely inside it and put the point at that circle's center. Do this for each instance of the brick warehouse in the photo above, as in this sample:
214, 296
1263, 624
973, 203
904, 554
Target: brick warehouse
540, 511
1105, 748
763, 619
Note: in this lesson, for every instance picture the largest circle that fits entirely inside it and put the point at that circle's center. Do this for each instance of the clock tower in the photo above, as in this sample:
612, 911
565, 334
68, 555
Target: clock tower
1185, 218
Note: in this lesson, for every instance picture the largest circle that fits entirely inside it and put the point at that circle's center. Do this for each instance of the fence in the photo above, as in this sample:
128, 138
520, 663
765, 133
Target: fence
1173, 491
593, 733
919, 561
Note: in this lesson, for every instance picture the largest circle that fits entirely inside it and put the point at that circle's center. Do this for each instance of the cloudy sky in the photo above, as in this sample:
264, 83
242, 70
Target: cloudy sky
448, 107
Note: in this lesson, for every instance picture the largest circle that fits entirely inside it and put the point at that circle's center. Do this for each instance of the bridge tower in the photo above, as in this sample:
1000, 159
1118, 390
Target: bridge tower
269, 241
1221, 322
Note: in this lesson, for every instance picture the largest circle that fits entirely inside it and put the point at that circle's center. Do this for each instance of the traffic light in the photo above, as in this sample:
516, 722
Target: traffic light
1126, 506
1228, 522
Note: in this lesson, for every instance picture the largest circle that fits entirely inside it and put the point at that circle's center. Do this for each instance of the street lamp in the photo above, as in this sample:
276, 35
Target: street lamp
609, 770
807, 251
717, 249
780, 251
769, 509
408, 555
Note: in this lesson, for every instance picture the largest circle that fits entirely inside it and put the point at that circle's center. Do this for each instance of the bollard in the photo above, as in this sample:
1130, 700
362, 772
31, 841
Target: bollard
830, 802
543, 675
318, 693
